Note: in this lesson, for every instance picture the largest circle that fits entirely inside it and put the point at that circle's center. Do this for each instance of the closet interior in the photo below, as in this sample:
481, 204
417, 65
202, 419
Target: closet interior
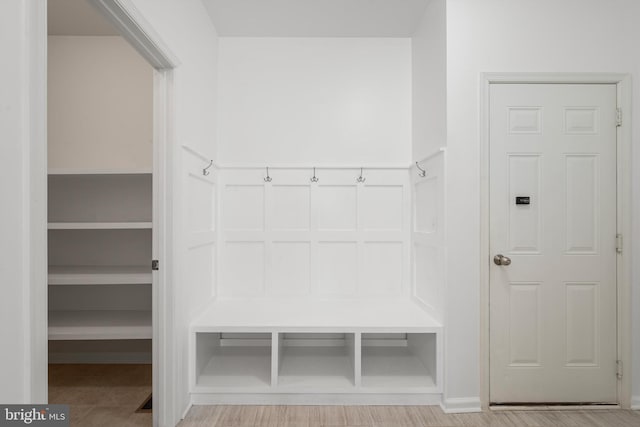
100, 102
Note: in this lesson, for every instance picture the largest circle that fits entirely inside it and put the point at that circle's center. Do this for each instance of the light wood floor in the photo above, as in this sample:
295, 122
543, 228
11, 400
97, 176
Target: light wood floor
102, 395
108, 395
398, 416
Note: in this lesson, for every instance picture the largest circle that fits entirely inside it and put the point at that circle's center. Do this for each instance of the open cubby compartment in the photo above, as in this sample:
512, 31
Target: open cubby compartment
400, 362
316, 361
99, 198
230, 361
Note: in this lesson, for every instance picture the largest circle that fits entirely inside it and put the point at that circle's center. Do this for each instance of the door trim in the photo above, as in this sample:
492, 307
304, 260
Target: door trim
623, 85
140, 34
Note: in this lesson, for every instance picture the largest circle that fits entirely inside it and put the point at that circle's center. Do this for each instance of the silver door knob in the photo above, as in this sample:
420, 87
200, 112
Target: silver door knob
501, 260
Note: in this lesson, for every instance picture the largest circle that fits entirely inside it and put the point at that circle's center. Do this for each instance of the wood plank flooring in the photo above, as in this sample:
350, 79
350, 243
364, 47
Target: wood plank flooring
399, 416
108, 395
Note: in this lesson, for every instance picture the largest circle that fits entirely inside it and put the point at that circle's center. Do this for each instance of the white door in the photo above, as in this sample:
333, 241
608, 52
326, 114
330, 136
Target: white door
553, 215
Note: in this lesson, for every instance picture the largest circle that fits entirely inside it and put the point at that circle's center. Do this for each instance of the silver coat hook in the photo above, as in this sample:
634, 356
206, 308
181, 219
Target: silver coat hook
361, 178
267, 178
422, 173
314, 178
205, 171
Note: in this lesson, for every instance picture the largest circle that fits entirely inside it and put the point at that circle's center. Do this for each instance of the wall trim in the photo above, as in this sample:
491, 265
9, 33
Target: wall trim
138, 32
34, 191
233, 165
338, 399
623, 83
460, 405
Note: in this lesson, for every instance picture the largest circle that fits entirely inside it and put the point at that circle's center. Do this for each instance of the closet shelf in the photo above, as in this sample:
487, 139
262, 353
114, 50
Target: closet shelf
99, 225
99, 275
133, 171
100, 325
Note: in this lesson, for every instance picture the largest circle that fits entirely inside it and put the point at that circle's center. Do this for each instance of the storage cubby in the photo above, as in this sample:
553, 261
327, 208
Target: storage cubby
403, 362
316, 361
233, 361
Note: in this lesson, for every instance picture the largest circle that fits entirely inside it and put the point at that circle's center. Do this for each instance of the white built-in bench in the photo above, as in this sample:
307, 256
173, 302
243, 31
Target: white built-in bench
372, 351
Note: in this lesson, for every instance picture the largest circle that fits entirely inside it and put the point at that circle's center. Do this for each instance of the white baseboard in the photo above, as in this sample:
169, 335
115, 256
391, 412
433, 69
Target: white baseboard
635, 403
315, 399
459, 405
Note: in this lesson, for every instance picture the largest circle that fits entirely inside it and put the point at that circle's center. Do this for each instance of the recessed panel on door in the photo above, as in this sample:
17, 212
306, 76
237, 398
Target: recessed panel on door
524, 324
583, 204
582, 304
524, 202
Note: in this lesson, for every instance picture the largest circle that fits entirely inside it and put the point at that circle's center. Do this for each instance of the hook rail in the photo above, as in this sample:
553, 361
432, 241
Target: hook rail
421, 172
314, 178
205, 171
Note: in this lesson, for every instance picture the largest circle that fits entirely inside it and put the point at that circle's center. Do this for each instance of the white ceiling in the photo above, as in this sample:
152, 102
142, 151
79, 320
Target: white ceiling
77, 18
316, 18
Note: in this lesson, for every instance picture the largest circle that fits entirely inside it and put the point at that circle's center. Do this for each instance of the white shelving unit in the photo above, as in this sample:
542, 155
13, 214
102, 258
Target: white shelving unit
390, 348
99, 274
99, 225
100, 325
100, 255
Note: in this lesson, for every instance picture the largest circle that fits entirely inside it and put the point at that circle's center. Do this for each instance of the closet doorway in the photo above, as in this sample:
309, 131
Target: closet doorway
109, 123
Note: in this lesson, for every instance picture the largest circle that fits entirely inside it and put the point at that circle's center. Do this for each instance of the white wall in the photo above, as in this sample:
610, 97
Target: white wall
185, 27
315, 100
12, 223
429, 84
509, 36
100, 104
23, 211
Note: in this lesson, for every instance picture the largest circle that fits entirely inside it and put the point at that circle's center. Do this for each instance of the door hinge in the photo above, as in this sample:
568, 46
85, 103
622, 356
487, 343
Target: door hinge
618, 117
619, 243
619, 369
155, 265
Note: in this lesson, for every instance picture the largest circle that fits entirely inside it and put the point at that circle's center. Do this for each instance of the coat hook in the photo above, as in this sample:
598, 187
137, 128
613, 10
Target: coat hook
205, 171
422, 173
267, 178
361, 178
314, 178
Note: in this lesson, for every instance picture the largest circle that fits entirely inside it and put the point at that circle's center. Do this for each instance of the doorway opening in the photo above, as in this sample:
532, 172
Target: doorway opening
110, 122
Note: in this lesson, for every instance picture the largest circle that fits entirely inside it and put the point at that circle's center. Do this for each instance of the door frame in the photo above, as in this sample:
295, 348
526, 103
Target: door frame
623, 216
142, 37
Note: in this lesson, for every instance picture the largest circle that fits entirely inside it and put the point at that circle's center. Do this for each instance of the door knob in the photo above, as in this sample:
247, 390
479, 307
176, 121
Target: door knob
501, 260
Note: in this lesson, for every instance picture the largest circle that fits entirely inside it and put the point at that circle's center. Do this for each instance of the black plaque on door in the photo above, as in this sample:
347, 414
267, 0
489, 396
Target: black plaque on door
523, 200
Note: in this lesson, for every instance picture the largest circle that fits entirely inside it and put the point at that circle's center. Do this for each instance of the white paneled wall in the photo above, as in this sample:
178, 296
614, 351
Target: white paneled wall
200, 215
428, 234
331, 238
